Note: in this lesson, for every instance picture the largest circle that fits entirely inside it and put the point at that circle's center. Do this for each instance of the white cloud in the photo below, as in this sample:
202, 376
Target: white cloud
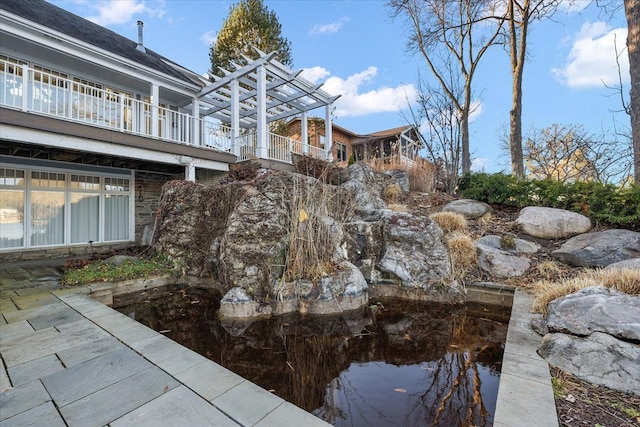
479, 164
591, 61
330, 28
476, 110
209, 37
354, 103
115, 12
315, 74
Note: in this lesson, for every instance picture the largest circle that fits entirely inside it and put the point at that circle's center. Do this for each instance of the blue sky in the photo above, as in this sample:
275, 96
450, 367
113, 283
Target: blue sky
358, 51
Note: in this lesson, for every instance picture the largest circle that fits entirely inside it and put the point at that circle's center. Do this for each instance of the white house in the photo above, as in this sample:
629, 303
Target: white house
92, 124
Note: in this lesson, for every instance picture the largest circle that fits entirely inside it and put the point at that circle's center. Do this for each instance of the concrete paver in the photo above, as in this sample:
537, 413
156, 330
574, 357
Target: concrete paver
22, 398
247, 402
42, 415
35, 369
179, 407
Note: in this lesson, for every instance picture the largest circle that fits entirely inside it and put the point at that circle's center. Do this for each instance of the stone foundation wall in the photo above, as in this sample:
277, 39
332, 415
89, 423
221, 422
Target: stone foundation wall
148, 190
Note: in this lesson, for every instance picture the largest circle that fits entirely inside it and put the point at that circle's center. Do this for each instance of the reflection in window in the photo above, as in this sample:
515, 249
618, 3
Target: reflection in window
47, 218
11, 218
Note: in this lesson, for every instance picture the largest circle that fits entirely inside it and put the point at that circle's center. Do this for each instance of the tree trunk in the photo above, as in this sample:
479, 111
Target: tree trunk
632, 12
517, 49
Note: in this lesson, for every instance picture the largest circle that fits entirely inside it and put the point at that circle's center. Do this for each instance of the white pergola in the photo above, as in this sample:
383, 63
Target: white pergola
265, 90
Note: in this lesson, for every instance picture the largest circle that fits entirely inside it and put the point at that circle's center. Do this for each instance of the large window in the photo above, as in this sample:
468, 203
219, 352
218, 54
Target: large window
47, 207
341, 150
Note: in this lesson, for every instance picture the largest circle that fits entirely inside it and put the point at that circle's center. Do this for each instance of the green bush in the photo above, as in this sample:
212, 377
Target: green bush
601, 202
101, 271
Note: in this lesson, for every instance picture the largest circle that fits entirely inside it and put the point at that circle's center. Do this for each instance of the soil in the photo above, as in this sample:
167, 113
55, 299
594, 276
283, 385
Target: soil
578, 403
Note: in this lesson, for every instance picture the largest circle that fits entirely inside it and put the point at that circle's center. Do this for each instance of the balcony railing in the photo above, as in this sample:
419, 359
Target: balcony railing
36, 91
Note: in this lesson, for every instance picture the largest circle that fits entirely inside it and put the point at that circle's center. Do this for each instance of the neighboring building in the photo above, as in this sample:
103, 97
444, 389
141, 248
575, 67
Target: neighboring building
399, 144
92, 124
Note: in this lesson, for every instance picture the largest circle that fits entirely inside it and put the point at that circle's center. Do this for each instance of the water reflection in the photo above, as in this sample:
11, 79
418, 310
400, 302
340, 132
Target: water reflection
390, 364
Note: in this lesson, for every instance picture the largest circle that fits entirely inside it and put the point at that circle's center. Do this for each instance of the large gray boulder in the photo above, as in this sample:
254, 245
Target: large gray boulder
470, 209
501, 257
598, 358
627, 264
599, 249
596, 309
365, 186
551, 223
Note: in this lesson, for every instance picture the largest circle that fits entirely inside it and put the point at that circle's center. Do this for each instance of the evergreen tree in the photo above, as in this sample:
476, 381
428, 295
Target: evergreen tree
249, 24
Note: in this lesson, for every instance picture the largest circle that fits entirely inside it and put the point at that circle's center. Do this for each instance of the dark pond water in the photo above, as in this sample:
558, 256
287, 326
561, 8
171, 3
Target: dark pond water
393, 363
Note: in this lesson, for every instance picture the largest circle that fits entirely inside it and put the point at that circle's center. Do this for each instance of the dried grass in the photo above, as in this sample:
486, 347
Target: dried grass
312, 239
422, 174
396, 207
545, 291
462, 253
450, 222
392, 193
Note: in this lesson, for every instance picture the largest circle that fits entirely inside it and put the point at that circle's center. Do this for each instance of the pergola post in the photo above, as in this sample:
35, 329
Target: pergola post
328, 132
235, 117
195, 112
304, 132
261, 110
155, 96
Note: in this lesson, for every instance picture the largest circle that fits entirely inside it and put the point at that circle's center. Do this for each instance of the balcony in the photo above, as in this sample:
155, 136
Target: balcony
38, 92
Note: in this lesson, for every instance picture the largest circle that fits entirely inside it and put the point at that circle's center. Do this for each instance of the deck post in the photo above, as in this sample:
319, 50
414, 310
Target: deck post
328, 133
304, 132
195, 116
261, 109
155, 96
235, 117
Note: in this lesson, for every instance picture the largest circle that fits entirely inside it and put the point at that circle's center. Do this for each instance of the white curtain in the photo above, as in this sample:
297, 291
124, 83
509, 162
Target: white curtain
11, 219
85, 217
116, 217
47, 218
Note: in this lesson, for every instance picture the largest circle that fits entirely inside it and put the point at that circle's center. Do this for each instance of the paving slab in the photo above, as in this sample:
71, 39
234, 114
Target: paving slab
14, 331
36, 299
525, 403
247, 403
67, 315
5, 383
158, 348
181, 362
88, 377
177, 408
134, 332
209, 379
42, 415
34, 369
34, 312
288, 414
527, 368
29, 347
83, 352
22, 398
116, 400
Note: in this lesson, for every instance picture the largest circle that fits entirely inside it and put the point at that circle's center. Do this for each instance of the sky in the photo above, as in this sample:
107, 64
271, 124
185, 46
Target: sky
357, 50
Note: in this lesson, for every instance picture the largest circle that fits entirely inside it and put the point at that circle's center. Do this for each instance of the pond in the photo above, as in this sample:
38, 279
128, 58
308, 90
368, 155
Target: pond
393, 363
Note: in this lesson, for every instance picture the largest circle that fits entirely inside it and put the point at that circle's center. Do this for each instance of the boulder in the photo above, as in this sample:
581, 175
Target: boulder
509, 244
599, 249
401, 178
120, 259
630, 264
598, 358
596, 309
551, 223
500, 257
470, 209
366, 187
237, 304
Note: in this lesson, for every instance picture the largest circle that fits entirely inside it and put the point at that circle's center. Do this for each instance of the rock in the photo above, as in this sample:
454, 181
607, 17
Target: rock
596, 309
147, 235
237, 304
366, 187
470, 209
401, 178
509, 244
413, 252
551, 223
598, 358
120, 259
631, 264
499, 260
599, 249
342, 290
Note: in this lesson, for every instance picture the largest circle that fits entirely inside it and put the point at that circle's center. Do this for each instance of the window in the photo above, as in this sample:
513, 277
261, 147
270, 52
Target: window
41, 208
12, 193
341, 150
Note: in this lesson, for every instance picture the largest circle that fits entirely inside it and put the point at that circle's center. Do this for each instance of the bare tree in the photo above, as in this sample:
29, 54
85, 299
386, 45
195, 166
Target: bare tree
448, 34
521, 13
632, 13
568, 153
438, 119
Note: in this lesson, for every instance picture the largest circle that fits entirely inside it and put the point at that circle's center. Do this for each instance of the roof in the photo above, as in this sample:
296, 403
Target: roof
51, 16
333, 125
389, 132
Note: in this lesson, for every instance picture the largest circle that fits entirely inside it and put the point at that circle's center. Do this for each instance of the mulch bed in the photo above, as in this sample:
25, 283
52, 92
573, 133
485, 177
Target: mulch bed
580, 403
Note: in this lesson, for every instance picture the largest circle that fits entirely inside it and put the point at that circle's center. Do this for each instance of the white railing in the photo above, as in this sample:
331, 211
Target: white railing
32, 90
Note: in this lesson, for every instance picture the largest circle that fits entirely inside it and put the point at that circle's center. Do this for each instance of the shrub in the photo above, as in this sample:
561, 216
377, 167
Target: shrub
601, 202
243, 171
421, 172
101, 271
314, 167
450, 221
